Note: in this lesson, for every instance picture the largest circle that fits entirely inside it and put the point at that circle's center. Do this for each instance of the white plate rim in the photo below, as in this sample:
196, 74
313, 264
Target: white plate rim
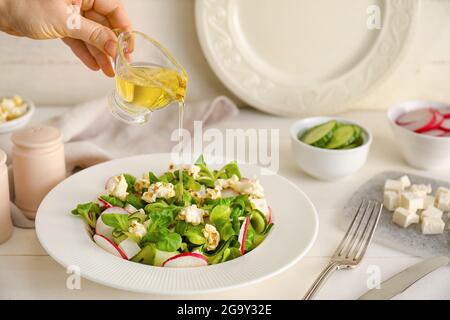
332, 98
40, 231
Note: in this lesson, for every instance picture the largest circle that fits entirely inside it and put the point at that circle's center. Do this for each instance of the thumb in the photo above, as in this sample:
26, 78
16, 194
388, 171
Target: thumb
97, 35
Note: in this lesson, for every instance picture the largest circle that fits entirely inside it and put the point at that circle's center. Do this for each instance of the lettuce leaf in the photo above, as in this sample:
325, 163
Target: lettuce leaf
89, 212
116, 221
169, 242
131, 180
115, 202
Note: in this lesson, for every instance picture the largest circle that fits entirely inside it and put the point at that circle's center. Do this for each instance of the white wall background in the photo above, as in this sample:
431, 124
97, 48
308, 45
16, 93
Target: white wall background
48, 73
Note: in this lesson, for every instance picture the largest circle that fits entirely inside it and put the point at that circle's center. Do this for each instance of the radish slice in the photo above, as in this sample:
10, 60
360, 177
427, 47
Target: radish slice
243, 235
414, 117
186, 260
103, 229
109, 246
435, 133
445, 125
129, 248
437, 122
445, 112
418, 121
117, 210
269, 215
105, 203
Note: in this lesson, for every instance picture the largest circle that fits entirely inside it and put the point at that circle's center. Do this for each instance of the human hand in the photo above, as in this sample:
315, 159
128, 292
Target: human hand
91, 40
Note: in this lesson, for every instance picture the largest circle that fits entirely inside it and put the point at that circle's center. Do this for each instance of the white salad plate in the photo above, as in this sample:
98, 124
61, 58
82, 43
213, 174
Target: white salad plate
66, 240
303, 57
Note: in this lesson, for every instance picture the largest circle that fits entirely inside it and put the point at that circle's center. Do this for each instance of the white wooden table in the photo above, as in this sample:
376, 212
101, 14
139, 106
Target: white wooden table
27, 272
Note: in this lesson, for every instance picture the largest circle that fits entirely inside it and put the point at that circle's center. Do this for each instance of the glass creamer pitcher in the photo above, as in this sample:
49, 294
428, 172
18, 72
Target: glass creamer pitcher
147, 78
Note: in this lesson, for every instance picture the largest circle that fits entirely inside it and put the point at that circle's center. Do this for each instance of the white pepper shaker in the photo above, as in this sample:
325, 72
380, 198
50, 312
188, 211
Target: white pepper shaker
38, 165
6, 226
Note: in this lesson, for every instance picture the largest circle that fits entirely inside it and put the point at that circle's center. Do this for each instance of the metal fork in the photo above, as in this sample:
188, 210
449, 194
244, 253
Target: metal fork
352, 248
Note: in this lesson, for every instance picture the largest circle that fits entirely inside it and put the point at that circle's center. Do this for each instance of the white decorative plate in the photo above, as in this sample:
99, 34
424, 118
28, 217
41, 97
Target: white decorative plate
303, 57
64, 237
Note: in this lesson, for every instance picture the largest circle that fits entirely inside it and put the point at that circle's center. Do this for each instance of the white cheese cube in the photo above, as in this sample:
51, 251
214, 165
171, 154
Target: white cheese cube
406, 183
404, 218
432, 212
422, 190
391, 200
432, 225
393, 185
440, 191
443, 202
428, 202
411, 201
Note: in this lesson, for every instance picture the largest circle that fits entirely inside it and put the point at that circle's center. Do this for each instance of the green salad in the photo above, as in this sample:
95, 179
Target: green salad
206, 217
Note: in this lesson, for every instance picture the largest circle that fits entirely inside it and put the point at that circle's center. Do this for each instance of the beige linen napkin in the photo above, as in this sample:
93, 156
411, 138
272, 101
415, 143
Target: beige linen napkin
92, 135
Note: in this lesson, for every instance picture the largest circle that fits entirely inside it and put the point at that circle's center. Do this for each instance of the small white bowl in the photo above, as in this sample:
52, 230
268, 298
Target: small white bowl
419, 150
21, 121
328, 164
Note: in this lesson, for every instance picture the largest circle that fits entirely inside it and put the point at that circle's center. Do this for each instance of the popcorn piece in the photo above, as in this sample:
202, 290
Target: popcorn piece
212, 236
404, 218
428, 202
393, 185
432, 225
391, 200
431, 212
138, 229
406, 183
411, 201
156, 190
117, 186
192, 215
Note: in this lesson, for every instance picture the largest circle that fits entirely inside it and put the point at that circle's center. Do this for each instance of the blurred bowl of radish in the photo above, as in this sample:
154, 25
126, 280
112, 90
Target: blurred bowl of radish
422, 130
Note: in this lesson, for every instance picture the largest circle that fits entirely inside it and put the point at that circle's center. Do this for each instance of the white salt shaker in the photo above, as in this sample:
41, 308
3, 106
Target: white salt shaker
6, 226
38, 165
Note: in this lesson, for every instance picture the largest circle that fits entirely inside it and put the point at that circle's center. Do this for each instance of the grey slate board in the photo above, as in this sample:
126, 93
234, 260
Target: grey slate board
409, 240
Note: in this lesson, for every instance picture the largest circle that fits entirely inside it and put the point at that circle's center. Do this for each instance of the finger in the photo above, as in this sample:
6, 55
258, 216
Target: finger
95, 34
97, 17
102, 60
79, 49
113, 10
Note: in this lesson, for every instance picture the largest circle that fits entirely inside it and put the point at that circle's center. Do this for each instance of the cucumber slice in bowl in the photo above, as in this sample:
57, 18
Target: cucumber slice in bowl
351, 142
320, 135
344, 136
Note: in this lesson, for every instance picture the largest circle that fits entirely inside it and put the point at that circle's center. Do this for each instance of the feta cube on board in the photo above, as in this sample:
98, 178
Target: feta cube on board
428, 202
411, 201
391, 200
404, 218
443, 202
441, 191
431, 212
406, 183
393, 185
422, 190
432, 225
